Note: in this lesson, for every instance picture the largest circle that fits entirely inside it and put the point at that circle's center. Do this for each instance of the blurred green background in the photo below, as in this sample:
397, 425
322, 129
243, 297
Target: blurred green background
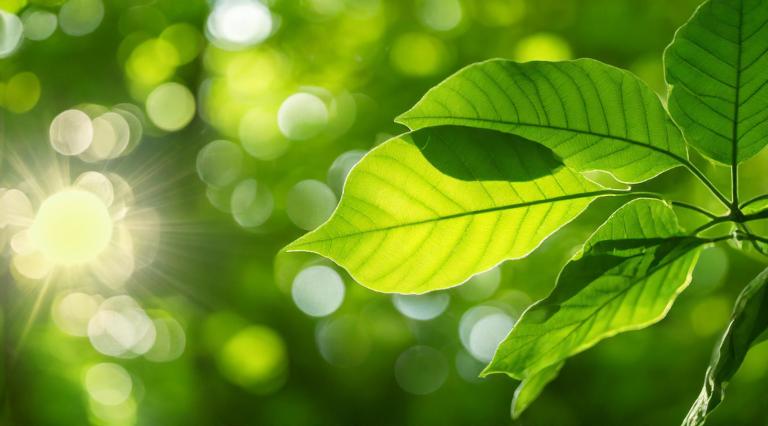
241, 119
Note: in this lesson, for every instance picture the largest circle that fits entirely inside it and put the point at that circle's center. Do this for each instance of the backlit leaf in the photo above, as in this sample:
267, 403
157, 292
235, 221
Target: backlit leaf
427, 210
625, 278
717, 68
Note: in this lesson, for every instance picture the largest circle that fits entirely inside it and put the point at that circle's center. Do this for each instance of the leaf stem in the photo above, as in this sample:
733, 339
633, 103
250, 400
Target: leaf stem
762, 214
746, 237
755, 239
753, 201
708, 183
720, 238
758, 238
713, 222
736, 217
680, 204
695, 208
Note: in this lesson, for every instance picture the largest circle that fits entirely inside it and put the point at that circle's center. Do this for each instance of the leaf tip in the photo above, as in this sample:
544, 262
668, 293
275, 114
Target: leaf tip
301, 244
516, 412
404, 118
488, 370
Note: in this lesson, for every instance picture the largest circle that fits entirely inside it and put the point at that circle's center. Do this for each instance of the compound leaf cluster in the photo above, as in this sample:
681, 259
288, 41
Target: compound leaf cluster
495, 163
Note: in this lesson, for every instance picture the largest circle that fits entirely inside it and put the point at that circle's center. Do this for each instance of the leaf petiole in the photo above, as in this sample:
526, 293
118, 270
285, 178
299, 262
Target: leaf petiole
745, 234
743, 237
708, 183
753, 201
713, 222
762, 214
736, 217
755, 239
694, 208
680, 204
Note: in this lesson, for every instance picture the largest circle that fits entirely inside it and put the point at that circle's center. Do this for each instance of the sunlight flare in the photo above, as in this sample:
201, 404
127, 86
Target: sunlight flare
72, 226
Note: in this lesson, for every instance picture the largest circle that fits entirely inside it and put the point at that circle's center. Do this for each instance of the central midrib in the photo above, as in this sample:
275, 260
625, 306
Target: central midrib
473, 212
736, 107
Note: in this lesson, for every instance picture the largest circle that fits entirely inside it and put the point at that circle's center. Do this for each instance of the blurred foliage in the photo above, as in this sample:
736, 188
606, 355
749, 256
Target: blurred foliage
252, 354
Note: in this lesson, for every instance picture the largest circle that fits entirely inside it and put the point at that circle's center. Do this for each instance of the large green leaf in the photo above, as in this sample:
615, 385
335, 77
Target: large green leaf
594, 116
626, 277
748, 324
717, 69
427, 210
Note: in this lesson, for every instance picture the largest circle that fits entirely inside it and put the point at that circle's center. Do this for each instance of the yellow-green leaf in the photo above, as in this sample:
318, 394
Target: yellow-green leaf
429, 209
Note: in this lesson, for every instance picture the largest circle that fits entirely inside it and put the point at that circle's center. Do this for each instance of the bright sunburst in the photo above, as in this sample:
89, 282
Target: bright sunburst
72, 226
82, 227
82, 234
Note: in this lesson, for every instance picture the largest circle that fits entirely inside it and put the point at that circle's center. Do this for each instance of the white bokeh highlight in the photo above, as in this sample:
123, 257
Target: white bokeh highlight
71, 132
318, 291
422, 307
237, 24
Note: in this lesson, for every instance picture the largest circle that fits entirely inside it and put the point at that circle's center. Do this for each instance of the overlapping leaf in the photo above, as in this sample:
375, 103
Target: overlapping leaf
748, 324
530, 388
717, 68
626, 277
594, 116
427, 210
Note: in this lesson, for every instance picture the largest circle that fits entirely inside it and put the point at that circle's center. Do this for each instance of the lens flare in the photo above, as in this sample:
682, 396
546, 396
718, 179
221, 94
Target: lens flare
72, 227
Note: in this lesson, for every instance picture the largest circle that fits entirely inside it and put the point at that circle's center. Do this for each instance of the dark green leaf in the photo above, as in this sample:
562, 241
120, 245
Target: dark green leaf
594, 116
625, 278
530, 388
749, 322
717, 69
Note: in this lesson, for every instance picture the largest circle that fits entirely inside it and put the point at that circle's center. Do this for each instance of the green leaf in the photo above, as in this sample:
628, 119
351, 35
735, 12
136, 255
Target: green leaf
530, 388
625, 278
592, 115
749, 322
427, 210
755, 207
716, 67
